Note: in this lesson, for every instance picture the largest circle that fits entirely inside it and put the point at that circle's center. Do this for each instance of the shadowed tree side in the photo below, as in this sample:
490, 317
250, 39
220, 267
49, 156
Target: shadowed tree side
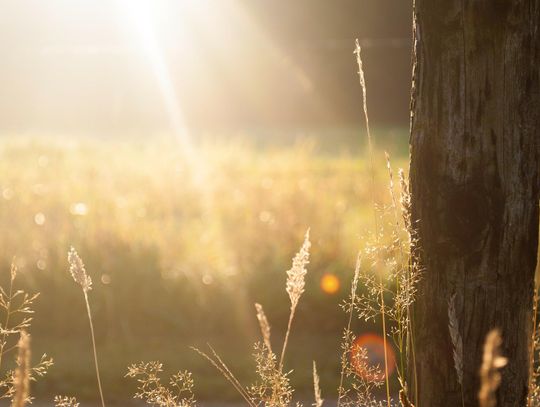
475, 137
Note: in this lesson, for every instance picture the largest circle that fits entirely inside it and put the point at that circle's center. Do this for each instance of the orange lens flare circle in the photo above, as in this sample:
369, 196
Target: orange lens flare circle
330, 283
367, 357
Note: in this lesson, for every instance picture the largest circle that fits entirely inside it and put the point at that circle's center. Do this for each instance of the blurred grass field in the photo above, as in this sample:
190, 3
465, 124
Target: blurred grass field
180, 244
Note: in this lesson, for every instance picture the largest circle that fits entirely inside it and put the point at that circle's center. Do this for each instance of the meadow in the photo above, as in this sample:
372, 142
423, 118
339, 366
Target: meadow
181, 244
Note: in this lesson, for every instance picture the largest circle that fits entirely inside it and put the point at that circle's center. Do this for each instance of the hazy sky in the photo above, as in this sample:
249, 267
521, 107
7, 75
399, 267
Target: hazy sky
88, 65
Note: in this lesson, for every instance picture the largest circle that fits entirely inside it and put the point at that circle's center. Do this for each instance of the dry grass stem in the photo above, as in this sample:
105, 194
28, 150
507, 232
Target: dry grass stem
16, 305
347, 340
272, 389
295, 286
264, 325
225, 371
490, 377
316, 388
358, 53
22, 372
405, 203
13, 271
78, 272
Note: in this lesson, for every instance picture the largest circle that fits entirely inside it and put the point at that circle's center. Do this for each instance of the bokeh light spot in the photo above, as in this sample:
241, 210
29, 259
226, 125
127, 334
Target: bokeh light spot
106, 279
330, 283
79, 209
7, 194
265, 217
39, 219
207, 279
367, 357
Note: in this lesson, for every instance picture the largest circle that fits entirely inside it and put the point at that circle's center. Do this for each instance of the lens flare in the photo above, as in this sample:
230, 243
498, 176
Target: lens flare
330, 283
367, 357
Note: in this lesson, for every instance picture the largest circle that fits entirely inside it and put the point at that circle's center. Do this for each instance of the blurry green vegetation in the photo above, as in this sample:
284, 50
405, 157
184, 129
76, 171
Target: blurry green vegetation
180, 245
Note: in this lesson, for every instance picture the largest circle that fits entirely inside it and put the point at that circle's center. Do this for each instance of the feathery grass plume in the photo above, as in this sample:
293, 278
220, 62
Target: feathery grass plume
64, 401
362, 78
296, 274
358, 52
16, 305
413, 269
346, 344
273, 387
362, 377
12, 303
316, 388
22, 372
264, 325
295, 286
490, 377
405, 279
457, 341
405, 201
13, 271
78, 272
152, 391
8, 381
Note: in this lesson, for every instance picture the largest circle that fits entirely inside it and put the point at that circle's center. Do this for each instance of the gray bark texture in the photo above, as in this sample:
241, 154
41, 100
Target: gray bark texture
475, 141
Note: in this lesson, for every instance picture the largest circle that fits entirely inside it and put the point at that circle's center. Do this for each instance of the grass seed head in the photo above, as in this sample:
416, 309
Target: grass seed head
316, 388
296, 274
490, 377
78, 271
264, 324
22, 373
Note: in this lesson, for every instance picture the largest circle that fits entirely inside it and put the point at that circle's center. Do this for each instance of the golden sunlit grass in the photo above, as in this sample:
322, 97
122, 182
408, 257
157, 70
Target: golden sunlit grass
147, 195
132, 209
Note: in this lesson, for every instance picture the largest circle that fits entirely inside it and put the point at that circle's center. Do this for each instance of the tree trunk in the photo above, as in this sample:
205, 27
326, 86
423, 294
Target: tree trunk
475, 137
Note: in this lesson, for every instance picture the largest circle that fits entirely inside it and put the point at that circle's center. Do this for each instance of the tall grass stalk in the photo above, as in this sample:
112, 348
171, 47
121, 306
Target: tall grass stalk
8, 303
264, 325
372, 172
78, 272
295, 287
411, 270
317, 388
405, 278
218, 363
22, 373
350, 310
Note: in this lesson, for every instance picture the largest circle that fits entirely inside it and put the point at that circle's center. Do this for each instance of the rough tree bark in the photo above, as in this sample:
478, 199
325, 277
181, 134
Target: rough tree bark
475, 136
